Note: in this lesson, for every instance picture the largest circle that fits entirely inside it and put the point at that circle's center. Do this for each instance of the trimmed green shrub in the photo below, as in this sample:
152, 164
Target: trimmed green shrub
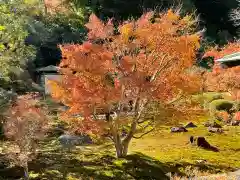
211, 96
206, 98
221, 105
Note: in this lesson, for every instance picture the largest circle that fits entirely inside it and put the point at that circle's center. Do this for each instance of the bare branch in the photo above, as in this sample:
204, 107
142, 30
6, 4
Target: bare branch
179, 96
139, 137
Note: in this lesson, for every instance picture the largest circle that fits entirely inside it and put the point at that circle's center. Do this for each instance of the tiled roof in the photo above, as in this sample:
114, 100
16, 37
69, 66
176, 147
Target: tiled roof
48, 68
229, 58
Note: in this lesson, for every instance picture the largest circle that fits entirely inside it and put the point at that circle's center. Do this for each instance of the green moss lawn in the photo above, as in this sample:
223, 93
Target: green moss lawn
149, 158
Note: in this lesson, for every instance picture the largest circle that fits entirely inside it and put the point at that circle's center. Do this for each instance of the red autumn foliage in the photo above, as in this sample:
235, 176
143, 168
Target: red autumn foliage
25, 125
218, 53
225, 80
237, 116
224, 116
144, 62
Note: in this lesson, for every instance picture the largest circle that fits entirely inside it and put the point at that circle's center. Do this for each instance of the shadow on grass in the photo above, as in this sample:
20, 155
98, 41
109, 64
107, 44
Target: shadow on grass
61, 165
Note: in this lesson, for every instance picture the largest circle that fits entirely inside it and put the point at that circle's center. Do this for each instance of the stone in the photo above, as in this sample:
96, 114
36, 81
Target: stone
215, 130
212, 124
235, 173
71, 141
190, 125
178, 129
235, 123
207, 124
201, 161
202, 143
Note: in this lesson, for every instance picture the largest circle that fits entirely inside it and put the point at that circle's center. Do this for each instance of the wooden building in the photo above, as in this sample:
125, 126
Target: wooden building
47, 73
230, 60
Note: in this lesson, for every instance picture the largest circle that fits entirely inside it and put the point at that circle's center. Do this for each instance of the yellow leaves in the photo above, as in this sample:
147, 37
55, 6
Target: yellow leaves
188, 21
30, 2
195, 40
2, 47
56, 91
126, 30
172, 16
2, 28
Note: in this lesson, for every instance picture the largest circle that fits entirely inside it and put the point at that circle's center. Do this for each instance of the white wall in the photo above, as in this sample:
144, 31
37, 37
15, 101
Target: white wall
47, 77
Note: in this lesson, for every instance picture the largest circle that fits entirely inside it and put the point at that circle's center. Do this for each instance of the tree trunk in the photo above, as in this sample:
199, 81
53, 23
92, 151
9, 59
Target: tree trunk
121, 146
26, 175
121, 149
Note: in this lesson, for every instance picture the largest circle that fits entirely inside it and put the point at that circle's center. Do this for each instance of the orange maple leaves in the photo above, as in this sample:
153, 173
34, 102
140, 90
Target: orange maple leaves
228, 49
148, 59
220, 79
23, 111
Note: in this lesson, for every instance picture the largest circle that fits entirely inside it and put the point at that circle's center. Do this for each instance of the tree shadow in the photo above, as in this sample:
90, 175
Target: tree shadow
60, 165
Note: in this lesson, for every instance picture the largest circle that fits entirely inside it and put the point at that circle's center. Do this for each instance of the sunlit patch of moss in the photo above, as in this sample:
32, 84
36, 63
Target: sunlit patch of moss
119, 162
33, 175
54, 173
108, 173
174, 148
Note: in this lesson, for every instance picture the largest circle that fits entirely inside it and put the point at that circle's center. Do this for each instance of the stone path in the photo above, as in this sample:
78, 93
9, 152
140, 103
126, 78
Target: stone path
226, 176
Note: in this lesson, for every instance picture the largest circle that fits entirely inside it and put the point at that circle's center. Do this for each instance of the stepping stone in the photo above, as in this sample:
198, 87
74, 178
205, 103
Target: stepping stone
212, 124
190, 125
178, 129
202, 142
235, 123
215, 130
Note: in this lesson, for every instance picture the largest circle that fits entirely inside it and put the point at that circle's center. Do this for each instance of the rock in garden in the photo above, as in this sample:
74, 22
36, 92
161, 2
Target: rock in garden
71, 141
190, 125
235, 173
207, 124
202, 142
235, 123
215, 130
178, 129
212, 124
201, 161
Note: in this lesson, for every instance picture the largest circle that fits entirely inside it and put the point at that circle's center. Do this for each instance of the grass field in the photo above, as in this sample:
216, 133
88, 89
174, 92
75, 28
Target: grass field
149, 158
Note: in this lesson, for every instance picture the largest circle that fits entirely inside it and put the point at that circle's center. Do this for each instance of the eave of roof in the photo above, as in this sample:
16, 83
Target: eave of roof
48, 69
229, 58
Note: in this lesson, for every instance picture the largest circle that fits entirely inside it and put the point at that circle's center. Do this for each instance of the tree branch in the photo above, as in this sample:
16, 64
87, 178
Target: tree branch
179, 96
94, 113
134, 123
143, 134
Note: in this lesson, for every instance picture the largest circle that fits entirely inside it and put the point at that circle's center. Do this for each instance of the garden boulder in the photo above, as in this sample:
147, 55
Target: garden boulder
235, 123
71, 141
202, 143
212, 124
178, 129
190, 125
215, 130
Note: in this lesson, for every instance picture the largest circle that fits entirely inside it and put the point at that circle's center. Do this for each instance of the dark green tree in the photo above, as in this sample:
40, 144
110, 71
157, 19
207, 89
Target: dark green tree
14, 53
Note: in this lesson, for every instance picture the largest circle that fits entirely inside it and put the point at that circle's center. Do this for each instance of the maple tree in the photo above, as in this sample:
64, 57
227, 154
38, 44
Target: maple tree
24, 126
224, 79
124, 70
223, 115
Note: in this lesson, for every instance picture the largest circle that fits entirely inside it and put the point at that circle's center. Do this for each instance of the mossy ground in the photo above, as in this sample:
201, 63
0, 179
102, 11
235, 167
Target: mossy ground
149, 158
